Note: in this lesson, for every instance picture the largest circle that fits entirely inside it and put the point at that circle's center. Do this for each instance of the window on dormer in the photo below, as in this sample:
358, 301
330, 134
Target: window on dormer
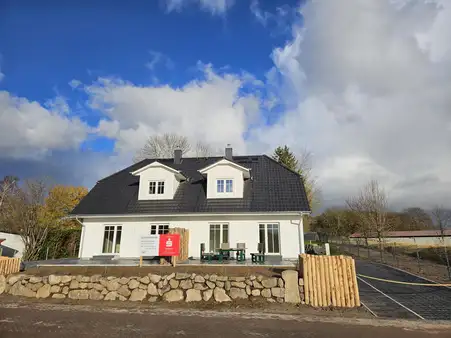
152, 188
160, 188
156, 187
229, 185
224, 186
220, 185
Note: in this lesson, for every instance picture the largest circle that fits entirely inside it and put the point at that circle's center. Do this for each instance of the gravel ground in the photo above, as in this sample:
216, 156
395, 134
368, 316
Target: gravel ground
38, 319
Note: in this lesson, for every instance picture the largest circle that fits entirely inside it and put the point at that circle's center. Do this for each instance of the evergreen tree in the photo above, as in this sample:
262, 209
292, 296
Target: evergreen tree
285, 156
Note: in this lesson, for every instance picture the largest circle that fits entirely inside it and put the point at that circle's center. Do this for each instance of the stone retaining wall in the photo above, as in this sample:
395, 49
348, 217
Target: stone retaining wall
170, 288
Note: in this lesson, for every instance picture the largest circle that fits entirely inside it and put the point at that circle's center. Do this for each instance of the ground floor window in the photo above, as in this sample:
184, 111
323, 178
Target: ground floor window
112, 239
219, 233
159, 229
269, 235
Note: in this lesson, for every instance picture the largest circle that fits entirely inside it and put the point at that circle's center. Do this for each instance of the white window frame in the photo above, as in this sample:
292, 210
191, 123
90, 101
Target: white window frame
221, 233
266, 237
115, 231
158, 184
159, 229
224, 180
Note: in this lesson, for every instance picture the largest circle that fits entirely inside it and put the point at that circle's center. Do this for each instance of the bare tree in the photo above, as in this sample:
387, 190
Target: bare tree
371, 206
26, 212
442, 220
7, 188
203, 150
304, 167
163, 146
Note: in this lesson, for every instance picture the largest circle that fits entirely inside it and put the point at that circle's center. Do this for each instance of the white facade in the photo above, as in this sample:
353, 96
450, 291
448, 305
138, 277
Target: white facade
157, 172
13, 246
241, 229
225, 170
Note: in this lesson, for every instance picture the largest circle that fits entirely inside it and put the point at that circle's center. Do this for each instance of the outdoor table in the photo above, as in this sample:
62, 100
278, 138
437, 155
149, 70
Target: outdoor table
240, 256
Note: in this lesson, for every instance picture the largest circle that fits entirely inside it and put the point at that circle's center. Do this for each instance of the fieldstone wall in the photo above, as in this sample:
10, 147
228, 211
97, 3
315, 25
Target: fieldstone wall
170, 288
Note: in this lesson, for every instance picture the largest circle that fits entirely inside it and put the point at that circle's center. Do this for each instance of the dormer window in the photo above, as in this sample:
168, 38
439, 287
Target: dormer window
224, 186
156, 187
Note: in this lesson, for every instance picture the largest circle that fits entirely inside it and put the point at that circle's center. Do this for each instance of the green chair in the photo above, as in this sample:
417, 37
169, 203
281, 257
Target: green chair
260, 256
241, 252
205, 256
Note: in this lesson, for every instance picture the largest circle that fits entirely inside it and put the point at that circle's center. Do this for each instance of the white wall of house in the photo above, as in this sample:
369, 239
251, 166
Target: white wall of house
13, 246
225, 171
242, 229
157, 174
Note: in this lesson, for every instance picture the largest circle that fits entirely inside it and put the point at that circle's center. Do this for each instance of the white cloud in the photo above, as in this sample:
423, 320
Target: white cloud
212, 110
215, 7
29, 130
159, 58
369, 98
279, 22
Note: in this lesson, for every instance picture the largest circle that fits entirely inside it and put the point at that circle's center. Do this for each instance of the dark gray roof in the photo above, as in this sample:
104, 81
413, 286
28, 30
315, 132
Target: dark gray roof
271, 188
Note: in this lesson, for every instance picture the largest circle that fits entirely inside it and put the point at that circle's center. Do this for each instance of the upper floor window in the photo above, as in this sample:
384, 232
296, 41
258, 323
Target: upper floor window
156, 187
224, 186
159, 229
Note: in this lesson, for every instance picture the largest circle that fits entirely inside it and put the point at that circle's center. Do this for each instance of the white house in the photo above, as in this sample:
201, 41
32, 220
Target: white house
231, 199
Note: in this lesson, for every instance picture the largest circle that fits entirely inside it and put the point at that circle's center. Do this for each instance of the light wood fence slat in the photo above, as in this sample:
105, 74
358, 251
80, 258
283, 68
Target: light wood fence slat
356, 286
336, 280
305, 268
310, 278
329, 281
323, 281
315, 297
9, 265
184, 242
332, 281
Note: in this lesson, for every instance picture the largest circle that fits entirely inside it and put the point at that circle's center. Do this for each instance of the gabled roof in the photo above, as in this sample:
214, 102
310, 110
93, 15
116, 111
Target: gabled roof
271, 188
224, 161
157, 164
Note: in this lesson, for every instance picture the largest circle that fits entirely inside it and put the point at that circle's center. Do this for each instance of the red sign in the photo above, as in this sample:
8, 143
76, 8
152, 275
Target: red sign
169, 245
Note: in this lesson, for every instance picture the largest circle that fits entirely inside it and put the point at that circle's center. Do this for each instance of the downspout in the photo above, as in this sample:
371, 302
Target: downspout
82, 236
301, 234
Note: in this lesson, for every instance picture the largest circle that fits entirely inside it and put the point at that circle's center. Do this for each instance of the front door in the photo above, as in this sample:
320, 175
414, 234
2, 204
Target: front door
269, 235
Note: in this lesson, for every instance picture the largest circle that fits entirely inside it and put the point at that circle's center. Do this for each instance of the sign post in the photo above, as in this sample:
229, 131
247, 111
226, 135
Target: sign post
160, 245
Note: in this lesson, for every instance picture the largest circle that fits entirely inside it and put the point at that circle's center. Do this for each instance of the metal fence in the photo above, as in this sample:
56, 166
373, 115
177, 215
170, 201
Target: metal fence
431, 262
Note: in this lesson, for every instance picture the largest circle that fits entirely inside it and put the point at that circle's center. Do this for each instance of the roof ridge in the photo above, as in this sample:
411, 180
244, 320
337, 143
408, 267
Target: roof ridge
284, 166
120, 171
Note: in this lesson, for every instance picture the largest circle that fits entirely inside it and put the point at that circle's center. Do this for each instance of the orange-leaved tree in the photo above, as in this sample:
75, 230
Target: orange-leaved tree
60, 202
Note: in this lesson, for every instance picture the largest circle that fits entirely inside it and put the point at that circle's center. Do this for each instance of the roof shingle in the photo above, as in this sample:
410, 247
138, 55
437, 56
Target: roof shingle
271, 188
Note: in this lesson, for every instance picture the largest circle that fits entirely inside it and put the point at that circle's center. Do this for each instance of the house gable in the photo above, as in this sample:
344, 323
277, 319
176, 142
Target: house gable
157, 181
225, 179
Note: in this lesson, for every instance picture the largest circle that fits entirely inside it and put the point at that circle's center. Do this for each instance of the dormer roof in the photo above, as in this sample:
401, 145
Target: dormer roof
246, 171
156, 164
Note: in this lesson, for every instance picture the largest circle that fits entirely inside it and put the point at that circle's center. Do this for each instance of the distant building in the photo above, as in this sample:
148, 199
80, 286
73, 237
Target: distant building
417, 237
11, 245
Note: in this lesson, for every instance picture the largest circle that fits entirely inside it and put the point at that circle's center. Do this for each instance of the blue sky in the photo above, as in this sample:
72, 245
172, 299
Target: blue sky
47, 45
84, 83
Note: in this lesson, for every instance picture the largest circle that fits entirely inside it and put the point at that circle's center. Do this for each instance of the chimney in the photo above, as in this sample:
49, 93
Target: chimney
177, 156
229, 153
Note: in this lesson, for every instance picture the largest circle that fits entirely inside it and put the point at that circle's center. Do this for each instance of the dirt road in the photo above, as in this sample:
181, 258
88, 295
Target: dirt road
63, 320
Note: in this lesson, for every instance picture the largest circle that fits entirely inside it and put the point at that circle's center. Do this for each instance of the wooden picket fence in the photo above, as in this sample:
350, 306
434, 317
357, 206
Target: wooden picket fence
330, 281
184, 243
9, 265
